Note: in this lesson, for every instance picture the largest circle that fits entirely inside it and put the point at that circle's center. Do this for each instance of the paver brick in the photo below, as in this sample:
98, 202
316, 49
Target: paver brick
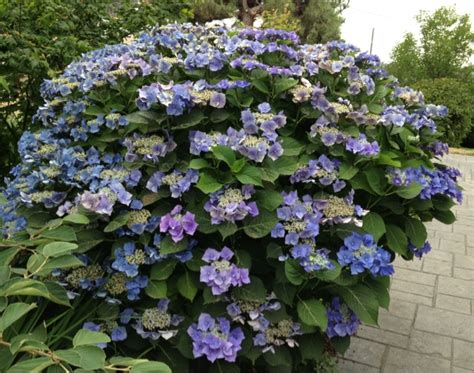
456, 287
346, 366
439, 267
464, 261
413, 298
415, 276
383, 336
395, 324
444, 322
411, 287
454, 304
365, 352
463, 354
452, 246
401, 308
403, 361
466, 274
431, 344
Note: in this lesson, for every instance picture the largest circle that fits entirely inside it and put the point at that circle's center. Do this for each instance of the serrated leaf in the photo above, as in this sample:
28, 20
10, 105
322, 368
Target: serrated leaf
396, 239
117, 223
186, 286
162, 270
85, 337
261, 225
416, 231
410, 191
198, 164
208, 184
374, 224
268, 199
362, 301
249, 175
347, 171
55, 249
293, 272
156, 289
224, 153
312, 312
168, 246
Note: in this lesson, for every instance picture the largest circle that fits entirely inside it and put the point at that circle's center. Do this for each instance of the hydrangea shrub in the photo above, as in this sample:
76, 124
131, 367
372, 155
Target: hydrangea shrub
205, 198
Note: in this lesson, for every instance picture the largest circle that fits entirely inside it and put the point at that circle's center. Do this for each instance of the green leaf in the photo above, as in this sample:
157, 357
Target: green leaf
416, 231
261, 225
151, 367
283, 84
347, 171
189, 120
293, 272
76, 219
208, 184
387, 160
376, 179
168, 246
186, 286
61, 262
329, 275
311, 346
396, 239
362, 301
255, 291
7, 255
281, 358
55, 249
250, 175
446, 217
219, 115
14, 312
63, 233
291, 146
162, 270
380, 287
198, 164
47, 289
375, 108
227, 229
156, 289
142, 117
85, 337
285, 292
374, 224
268, 199
118, 222
312, 312
36, 365
261, 86
410, 191
224, 153
283, 165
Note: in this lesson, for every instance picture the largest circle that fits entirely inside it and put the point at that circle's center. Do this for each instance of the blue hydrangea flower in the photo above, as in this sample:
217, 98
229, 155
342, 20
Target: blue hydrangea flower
214, 338
361, 253
129, 258
177, 181
342, 321
311, 259
419, 252
270, 335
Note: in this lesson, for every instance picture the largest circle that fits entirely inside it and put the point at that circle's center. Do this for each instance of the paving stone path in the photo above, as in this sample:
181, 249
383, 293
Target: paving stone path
429, 326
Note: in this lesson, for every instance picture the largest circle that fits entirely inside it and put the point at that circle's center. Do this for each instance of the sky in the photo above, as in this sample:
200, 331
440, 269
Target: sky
391, 19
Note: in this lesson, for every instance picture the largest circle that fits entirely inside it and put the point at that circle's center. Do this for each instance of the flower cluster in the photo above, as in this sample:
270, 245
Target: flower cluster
342, 321
148, 148
322, 170
442, 180
157, 322
337, 210
419, 251
215, 339
362, 253
177, 224
270, 335
220, 275
177, 181
229, 204
250, 311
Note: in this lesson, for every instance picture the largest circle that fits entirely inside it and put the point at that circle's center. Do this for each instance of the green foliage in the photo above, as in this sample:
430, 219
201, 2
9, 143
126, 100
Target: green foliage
458, 96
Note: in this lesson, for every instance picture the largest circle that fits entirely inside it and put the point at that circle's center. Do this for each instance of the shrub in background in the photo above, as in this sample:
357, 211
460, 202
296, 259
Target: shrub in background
214, 200
458, 97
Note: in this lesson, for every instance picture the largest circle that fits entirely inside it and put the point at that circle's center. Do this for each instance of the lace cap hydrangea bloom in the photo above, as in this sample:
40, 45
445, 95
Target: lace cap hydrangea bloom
361, 253
299, 219
337, 210
229, 204
148, 148
156, 322
322, 170
129, 258
220, 275
273, 335
177, 225
312, 259
243, 311
342, 321
177, 181
116, 332
214, 338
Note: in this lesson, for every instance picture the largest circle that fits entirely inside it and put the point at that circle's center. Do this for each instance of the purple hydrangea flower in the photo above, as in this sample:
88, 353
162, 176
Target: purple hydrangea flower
229, 204
337, 210
149, 148
311, 259
271, 335
220, 275
249, 311
341, 320
177, 181
214, 338
419, 252
361, 253
177, 224
129, 258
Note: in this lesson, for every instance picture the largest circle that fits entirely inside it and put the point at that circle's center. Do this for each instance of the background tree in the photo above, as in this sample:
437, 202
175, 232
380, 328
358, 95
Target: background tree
38, 38
436, 65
